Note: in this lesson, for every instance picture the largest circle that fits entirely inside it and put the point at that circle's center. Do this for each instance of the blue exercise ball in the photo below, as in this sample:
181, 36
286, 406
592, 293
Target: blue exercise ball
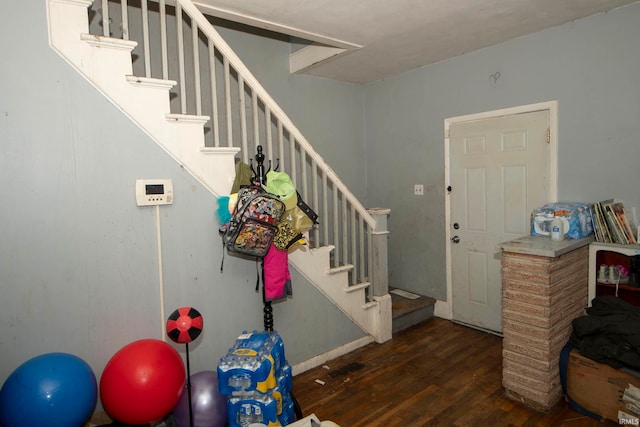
53, 390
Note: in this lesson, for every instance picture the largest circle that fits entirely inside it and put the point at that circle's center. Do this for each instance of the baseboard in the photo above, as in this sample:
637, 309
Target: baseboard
443, 309
332, 354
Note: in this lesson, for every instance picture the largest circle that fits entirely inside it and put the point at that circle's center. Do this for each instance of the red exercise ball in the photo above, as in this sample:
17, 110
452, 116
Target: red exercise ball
142, 382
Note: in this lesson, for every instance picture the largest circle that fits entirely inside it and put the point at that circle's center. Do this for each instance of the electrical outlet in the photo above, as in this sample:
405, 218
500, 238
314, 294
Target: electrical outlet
418, 190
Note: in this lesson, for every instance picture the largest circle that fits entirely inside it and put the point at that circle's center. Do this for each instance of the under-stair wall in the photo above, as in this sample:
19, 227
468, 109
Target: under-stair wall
208, 131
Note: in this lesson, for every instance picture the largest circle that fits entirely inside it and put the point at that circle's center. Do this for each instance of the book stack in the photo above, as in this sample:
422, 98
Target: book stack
611, 224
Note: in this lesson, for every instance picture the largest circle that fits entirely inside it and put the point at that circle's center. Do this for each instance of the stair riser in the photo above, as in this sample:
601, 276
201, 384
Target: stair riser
407, 320
69, 21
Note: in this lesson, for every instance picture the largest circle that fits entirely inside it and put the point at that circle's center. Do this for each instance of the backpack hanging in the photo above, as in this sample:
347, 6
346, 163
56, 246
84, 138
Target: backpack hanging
253, 222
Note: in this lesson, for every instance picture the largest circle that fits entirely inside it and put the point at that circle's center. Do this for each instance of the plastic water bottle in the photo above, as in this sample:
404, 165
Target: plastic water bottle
557, 229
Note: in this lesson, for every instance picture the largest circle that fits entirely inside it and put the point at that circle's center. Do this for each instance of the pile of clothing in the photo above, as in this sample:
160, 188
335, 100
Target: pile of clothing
609, 333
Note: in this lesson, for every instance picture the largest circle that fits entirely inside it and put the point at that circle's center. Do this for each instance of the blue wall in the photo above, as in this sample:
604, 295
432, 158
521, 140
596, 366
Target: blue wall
590, 67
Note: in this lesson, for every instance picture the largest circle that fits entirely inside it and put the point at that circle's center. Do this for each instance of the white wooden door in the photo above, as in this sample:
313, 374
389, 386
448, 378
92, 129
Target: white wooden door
499, 173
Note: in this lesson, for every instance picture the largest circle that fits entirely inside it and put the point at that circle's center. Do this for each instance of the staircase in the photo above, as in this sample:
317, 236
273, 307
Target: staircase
207, 110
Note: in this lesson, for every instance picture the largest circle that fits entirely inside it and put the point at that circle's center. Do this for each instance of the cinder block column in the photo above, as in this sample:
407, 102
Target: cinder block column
540, 297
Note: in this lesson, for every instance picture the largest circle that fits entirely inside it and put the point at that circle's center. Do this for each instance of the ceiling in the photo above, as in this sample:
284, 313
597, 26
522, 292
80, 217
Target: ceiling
365, 40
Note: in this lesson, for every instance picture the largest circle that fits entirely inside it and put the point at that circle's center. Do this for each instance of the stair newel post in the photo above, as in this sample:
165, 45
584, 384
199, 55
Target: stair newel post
261, 178
380, 274
379, 252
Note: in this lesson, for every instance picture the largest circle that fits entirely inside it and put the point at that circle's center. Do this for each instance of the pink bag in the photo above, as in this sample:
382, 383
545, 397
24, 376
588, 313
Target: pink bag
277, 278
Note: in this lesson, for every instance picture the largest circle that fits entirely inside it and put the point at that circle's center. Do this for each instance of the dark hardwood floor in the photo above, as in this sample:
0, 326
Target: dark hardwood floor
437, 373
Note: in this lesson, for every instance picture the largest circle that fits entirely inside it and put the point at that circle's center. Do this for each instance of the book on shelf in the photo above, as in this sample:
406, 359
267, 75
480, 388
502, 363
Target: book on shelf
599, 225
616, 211
611, 224
625, 224
596, 230
615, 227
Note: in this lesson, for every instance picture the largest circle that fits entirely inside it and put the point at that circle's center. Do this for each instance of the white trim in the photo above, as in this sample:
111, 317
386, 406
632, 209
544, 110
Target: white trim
444, 308
330, 355
253, 21
84, 3
312, 55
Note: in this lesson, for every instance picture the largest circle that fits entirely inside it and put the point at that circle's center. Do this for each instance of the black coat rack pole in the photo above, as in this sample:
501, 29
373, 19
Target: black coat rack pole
189, 387
261, 177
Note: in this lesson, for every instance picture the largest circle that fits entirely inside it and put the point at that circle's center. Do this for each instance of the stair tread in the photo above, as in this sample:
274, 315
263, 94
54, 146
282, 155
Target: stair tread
340, 269
402, 306
151, 81
218, 150
186, 118
105, 41
354, 288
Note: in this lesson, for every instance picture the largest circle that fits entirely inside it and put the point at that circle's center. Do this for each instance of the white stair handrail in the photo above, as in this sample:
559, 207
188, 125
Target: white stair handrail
249, 79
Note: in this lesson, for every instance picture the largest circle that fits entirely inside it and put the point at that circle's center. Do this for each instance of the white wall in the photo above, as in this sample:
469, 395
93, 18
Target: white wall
590, 66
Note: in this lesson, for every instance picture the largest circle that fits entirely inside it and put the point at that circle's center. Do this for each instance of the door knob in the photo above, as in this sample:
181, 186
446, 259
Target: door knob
455, 239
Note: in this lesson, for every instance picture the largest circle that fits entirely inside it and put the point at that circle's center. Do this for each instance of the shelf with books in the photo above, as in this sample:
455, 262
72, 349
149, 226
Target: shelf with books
611, 224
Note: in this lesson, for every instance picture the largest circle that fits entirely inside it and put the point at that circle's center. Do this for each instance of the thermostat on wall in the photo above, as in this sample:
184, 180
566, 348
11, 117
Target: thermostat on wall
151, 192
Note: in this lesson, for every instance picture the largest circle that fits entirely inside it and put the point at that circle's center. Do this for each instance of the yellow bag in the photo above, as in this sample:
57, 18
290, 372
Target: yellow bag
298, 220
285, 236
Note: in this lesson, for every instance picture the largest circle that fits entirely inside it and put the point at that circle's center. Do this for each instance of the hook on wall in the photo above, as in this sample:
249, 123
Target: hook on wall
495, 76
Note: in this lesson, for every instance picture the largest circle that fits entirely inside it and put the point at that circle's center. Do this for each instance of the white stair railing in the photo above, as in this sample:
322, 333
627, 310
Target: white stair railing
178, 42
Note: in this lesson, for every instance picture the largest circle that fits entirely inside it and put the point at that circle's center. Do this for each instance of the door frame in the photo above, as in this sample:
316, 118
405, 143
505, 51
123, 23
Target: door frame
444, 309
